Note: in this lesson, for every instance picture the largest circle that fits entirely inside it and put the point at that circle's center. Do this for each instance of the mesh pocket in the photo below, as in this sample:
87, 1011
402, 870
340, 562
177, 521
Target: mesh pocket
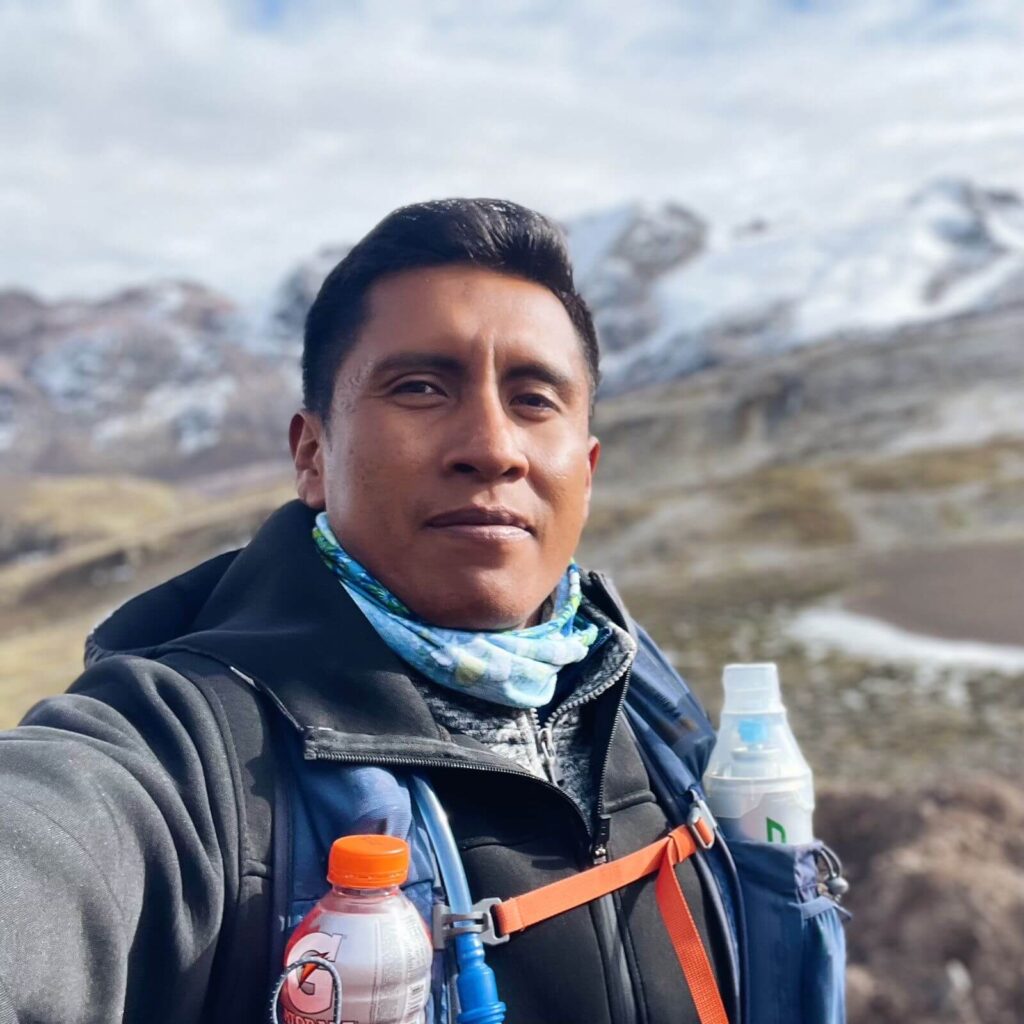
796, 949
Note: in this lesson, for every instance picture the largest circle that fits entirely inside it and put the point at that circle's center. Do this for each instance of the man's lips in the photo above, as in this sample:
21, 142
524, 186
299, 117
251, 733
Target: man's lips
492, 522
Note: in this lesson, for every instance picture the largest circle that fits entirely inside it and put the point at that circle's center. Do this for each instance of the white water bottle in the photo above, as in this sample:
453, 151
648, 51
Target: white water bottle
757, 782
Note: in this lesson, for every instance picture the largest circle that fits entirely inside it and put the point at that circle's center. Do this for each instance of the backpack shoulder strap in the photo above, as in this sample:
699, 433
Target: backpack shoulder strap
245, 957
675, 736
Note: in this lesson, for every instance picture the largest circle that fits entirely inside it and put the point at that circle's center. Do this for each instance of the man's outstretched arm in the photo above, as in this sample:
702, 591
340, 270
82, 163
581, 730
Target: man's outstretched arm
118, 849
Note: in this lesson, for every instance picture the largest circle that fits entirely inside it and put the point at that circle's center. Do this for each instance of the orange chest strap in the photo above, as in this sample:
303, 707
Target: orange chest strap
515, 914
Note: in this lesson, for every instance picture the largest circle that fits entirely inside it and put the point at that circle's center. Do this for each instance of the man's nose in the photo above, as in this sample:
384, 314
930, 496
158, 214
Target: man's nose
486, 442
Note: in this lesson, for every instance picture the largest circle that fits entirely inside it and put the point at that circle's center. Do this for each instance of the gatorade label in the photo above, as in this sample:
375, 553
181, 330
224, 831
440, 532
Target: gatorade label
384, 966
309, 990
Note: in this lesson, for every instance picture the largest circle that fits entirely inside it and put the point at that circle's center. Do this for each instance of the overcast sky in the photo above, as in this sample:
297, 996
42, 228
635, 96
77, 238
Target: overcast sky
225, 141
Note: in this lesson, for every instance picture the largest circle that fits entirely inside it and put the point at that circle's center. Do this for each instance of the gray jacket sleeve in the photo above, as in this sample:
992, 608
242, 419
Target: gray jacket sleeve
118, 851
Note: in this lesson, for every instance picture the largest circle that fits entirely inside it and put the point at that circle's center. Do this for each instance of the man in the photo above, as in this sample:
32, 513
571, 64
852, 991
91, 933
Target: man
417, 609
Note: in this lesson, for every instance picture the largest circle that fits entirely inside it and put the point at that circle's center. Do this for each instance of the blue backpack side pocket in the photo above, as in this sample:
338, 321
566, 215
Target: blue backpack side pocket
787, 933
791, 921
327, 800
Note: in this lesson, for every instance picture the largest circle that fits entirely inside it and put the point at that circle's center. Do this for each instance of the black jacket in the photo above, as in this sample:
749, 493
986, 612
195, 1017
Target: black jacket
127, 839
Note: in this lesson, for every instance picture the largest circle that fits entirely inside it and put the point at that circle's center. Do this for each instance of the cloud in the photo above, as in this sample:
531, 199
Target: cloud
224, 141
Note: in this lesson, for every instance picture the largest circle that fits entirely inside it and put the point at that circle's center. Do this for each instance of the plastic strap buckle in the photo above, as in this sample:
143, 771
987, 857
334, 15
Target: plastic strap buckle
701, 822
445, 924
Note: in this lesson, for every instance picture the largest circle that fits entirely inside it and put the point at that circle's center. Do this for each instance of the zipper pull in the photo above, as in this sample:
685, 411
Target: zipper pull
546, 749
599, 849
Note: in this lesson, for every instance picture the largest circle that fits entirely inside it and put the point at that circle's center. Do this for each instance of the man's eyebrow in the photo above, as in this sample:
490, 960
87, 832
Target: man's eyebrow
406, 362
399, 362
542, 372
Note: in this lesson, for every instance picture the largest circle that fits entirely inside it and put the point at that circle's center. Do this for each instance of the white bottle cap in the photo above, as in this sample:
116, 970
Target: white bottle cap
752, 689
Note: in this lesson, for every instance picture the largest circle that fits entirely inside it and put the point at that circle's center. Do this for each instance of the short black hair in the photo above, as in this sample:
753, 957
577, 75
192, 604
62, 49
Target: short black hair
491, 233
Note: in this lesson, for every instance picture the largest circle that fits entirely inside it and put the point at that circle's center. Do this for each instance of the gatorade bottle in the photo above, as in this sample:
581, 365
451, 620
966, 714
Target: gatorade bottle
757, 783
370, 931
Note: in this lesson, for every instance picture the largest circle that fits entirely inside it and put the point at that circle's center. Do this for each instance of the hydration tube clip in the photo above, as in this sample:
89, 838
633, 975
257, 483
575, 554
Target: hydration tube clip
446, 925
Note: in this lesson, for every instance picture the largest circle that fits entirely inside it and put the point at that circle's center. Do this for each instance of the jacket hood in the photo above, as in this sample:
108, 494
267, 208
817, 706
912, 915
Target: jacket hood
203, 602
145, 623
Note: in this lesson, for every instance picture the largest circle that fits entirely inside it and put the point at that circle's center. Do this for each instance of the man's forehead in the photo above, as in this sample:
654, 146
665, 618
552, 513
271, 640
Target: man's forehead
463, 292
462, 313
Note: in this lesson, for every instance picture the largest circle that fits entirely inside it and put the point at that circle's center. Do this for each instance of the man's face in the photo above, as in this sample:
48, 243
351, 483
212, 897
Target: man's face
457, 461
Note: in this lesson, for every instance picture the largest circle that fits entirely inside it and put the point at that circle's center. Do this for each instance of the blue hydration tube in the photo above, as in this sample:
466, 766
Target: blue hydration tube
477, 989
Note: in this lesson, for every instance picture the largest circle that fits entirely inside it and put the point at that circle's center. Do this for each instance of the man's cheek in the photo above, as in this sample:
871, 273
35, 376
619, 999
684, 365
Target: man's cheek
567, 481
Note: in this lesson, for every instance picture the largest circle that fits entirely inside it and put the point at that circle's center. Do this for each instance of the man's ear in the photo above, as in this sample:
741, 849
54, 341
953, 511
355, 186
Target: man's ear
306, 438
593, 457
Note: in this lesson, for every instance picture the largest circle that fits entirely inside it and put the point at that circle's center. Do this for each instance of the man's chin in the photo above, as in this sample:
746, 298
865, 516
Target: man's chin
480, 612
459, 596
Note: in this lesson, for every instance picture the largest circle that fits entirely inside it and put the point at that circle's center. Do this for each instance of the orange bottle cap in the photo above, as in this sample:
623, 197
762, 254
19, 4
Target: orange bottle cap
368, 862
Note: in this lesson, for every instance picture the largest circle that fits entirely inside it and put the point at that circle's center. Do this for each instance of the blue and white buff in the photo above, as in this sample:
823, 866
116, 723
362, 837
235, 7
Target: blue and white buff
515, 667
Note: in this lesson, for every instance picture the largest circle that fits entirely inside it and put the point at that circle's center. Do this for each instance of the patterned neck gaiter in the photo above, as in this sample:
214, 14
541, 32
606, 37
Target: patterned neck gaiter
514, 667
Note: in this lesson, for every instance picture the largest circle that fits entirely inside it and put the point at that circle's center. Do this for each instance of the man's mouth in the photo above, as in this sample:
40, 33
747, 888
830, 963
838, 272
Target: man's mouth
481, 522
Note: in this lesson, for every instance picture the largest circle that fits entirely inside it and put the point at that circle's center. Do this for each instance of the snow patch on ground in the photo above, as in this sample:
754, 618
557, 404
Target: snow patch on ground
975, 418
861, 636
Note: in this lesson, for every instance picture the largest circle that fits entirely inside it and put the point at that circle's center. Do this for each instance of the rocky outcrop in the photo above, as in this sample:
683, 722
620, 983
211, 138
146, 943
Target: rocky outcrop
937, 894
619, 257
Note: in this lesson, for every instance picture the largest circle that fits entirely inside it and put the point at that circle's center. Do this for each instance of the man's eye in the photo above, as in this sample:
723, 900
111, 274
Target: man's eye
535, 400
416, 387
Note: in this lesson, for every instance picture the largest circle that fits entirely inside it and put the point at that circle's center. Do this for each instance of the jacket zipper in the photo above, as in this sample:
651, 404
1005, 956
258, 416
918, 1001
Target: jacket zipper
604, 821
549, 756
545, 741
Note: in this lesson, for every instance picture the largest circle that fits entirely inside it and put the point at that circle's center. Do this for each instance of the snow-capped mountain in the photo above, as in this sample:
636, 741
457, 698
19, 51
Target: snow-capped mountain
950, 249
173, 378
620, 256
141, 381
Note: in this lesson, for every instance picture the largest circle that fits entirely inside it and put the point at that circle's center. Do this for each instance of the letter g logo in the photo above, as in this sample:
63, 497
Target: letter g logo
310, 988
